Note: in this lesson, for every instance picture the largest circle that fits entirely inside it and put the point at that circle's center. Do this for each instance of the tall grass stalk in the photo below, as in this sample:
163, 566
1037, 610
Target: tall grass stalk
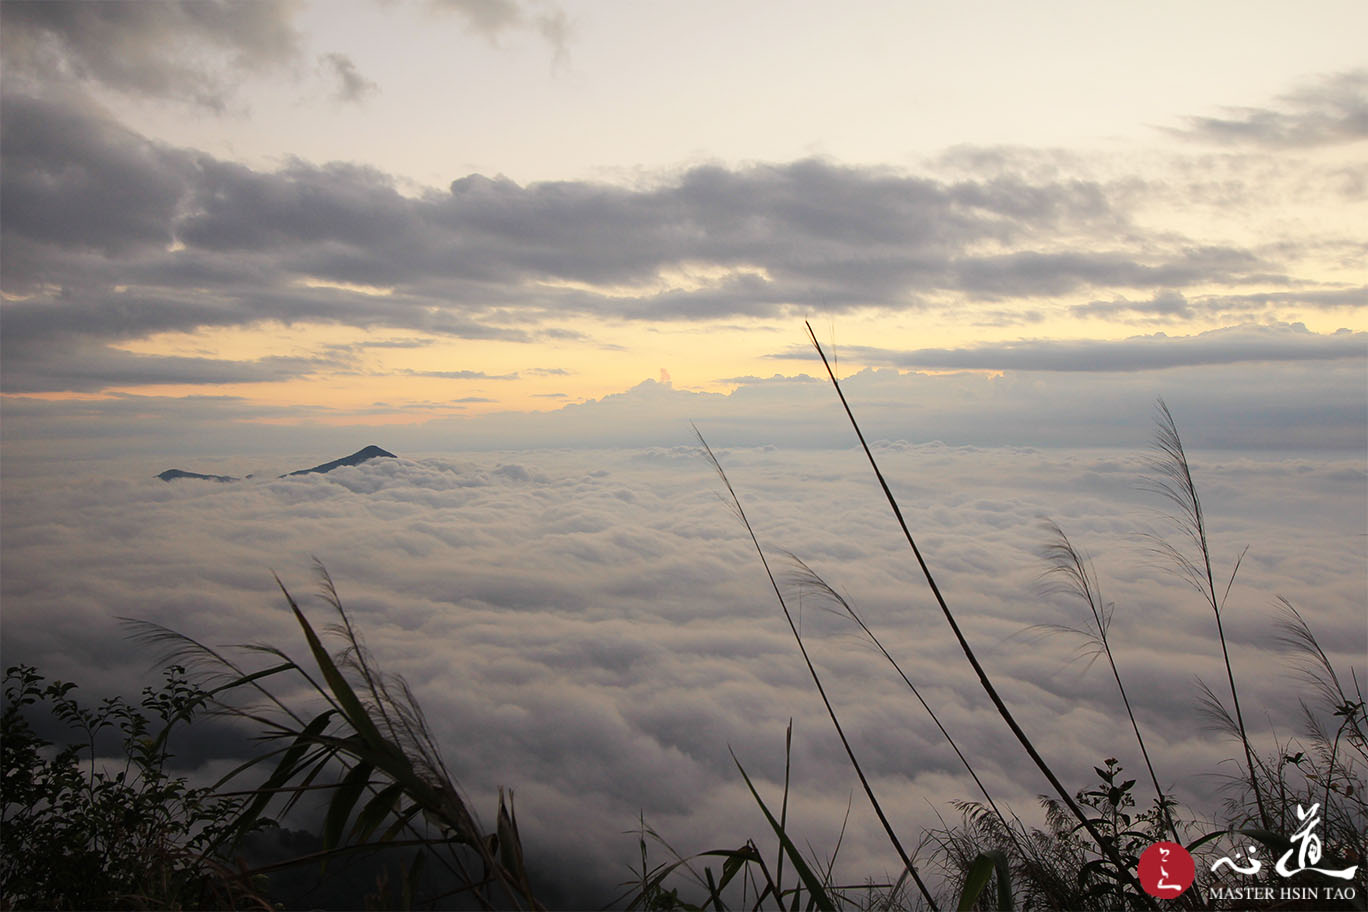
817, 680
1343, 757
1079, 579
806, 577
1107, 847
1173, 480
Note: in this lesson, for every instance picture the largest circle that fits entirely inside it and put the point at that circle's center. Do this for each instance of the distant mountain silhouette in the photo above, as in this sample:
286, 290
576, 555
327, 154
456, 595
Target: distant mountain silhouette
173, 474
360, 456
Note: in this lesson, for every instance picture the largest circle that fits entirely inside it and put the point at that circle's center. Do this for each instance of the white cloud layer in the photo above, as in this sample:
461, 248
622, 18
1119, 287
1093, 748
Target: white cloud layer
590, 627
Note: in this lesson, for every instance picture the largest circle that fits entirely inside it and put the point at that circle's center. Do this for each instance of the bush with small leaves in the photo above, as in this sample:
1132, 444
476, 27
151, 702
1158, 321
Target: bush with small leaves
78, 832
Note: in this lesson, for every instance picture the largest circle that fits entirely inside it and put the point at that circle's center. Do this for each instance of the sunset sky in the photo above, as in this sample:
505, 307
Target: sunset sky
388, 213
524, 243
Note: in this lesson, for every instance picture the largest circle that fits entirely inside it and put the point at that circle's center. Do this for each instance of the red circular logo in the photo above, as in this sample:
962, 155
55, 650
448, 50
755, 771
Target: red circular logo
1166, 870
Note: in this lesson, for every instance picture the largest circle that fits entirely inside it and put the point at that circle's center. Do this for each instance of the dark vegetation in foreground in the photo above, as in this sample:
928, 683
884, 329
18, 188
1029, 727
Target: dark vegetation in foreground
335, 730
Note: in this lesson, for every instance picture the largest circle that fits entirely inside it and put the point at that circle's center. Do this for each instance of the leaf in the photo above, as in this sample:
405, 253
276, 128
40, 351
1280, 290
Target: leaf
344, 799
411, 878
510, 844
346, 697
285, 770
735, 861
979, 872
714, 893
819, 895
401, 821
254, 676
373, 814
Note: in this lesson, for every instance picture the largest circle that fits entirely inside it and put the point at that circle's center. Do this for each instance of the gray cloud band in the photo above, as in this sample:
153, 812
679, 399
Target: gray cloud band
1233, 345
109, 236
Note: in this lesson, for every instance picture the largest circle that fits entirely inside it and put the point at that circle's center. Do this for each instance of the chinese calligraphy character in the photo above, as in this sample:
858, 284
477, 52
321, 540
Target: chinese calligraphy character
1163, 883
1254, 863
1309, 851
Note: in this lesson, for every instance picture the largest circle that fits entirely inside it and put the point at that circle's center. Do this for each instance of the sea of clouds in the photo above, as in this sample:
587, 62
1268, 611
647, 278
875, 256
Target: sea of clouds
593, 628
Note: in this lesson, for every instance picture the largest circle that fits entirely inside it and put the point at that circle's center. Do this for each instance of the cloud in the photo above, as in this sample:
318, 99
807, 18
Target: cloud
75, 180
1232, 345
494, 17
590, 627
107, 236
557, 29
1320, 299
460, 375
489, 16
1164, 305
1035, 273
190, 51
351, 85
1314, 403
1330, 111
91, 368
1173, 306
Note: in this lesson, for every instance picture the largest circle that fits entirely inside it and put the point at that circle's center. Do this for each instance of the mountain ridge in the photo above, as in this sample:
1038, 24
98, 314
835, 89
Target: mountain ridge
365, 454
173, 474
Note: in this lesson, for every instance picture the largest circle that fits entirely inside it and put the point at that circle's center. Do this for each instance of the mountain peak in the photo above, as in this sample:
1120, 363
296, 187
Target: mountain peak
173, 474
360, 456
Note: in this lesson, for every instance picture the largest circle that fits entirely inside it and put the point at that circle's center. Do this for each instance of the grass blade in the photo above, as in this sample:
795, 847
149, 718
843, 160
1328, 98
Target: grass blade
810, 880
1102, 843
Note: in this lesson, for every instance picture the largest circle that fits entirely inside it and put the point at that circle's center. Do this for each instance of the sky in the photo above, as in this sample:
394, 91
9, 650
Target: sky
385, 214
525, 244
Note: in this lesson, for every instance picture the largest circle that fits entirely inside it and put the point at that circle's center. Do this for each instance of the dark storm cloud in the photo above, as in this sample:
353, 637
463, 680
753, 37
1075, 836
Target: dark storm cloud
1332, 111
187, 51
1234, 345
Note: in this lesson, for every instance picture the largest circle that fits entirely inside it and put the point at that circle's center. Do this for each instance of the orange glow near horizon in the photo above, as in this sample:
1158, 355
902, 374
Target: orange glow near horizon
397, 375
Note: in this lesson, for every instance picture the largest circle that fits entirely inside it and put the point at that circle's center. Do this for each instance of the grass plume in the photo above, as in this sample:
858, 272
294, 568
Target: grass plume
1172, 480
1074, 575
